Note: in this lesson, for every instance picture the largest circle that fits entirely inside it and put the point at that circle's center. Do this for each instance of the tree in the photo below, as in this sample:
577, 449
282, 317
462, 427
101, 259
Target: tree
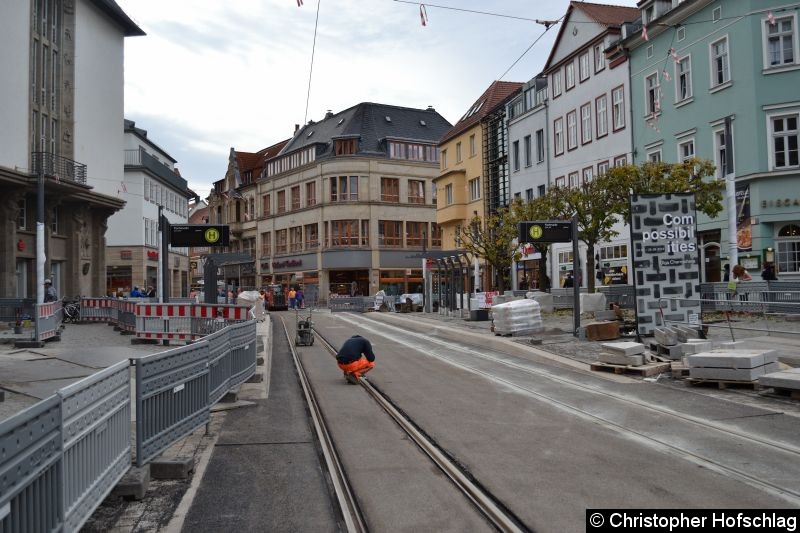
486, 238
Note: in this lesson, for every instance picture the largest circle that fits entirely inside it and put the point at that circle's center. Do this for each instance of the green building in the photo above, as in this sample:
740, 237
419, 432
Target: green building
694, 63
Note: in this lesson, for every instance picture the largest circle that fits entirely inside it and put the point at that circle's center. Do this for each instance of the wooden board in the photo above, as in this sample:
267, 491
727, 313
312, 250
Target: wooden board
724, 384
650, 369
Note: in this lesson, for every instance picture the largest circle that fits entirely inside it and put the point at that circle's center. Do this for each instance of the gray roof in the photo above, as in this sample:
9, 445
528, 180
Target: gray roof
368, 121
115, 13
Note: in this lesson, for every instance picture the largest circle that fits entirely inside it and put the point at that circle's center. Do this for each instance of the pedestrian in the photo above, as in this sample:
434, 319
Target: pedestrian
569, 281
151, 292
726, 272
292, 298
355, 358
768, 274
136, 293
49, 291
740, 274
299, 297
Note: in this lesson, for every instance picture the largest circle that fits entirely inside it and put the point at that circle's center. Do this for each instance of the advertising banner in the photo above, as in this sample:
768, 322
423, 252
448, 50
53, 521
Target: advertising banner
744, 233
666, 265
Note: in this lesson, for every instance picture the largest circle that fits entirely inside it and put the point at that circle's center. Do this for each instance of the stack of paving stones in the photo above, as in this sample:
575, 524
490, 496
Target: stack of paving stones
726, 365
785, 381
623, 353
678, 341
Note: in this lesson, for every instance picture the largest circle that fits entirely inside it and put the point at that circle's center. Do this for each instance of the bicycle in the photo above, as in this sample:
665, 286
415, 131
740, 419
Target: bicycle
72, 312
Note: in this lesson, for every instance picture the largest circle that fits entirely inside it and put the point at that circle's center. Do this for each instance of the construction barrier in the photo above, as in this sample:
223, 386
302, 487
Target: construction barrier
98, 310
185, 322
49, 317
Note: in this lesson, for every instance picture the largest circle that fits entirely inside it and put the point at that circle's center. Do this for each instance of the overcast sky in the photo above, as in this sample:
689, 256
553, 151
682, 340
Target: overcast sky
212, 75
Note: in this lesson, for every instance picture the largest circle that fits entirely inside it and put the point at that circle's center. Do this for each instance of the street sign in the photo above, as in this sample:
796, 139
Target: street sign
199, 235
545, 231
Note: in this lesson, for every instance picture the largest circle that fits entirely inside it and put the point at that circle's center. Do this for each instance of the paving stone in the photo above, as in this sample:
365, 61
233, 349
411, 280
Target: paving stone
605, 315
733, 374
172, 468
665, 336
134, 483
621, 359
786, 379
690, 348
734, 359
602, 331
685, 333
731, 345
624, 348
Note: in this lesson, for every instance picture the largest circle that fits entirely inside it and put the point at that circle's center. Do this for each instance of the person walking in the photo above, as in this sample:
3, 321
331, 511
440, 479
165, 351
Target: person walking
292, 298
299, 297
768, 274
136, 293
49, 291
355, 358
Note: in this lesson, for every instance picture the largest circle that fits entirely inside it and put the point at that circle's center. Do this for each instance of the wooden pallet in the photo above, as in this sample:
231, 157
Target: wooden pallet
679, 371
723, 384
649, 369
794, 394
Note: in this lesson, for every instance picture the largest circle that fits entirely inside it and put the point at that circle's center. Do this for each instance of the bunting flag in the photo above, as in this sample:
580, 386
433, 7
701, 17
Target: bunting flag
674, 54
423, 14
666, 75
124, 188
299, 3
644, 33
771, 19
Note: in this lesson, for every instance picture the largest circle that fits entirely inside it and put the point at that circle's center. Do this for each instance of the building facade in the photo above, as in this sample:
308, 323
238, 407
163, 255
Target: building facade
198, 214
150, 180
61, 104
706, 61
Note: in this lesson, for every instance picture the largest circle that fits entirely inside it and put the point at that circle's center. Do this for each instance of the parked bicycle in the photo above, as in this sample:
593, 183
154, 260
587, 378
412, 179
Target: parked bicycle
72, 312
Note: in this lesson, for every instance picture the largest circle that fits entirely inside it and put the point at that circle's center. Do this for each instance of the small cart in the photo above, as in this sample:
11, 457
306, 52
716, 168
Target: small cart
304, 329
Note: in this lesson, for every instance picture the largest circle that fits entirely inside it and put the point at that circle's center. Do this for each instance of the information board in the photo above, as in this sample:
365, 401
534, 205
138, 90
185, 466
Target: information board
199, 235
666, 265
545, 231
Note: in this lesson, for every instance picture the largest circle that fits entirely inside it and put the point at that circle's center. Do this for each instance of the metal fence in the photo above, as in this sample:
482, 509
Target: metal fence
14, 309
356, 304
622, 295
62, 456
780, 297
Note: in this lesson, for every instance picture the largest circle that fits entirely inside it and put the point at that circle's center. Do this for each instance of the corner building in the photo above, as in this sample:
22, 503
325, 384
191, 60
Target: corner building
349, 201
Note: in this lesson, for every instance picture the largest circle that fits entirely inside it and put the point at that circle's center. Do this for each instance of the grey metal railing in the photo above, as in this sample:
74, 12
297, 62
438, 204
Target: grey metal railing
13, 309
779, 297
140, 158
356, 304
58, 167
622, 295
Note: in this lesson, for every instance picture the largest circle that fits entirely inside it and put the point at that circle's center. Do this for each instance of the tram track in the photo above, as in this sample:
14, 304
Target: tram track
788, 494
494, 511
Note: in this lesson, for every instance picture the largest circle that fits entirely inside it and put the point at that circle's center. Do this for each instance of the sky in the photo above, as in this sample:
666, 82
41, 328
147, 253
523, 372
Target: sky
210, 75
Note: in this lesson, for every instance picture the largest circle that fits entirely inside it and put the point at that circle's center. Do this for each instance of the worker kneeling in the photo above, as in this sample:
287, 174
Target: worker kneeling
355, 358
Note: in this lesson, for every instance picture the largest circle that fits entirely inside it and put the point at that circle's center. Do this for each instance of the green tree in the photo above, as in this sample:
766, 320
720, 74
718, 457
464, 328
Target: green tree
487, 239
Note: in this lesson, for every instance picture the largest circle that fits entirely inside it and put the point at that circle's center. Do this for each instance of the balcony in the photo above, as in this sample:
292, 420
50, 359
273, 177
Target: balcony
141, 159
58, 167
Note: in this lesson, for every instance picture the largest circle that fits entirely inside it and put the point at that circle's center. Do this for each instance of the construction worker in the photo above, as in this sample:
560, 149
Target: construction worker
355, 358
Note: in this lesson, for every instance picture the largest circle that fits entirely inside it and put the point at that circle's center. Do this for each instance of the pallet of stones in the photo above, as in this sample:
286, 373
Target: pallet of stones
727, 367
784, 382
675, 342
627, 358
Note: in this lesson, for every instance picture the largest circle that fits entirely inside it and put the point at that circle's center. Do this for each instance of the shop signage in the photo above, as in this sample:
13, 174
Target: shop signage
545, 231
152, 255
287, 263
199, 235
781, 202
744, 233
125, 254
665, 259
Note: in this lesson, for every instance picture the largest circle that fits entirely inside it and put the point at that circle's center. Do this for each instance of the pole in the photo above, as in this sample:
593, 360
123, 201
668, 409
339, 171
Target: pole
730, 193
576, 287
163, 225
476, 273
40, 254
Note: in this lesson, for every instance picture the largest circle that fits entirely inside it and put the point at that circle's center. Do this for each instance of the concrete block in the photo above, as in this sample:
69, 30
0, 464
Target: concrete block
665, 336
258, 377
602, 331
624, 348
591, 303
621, 359
231, 396
786, 379
259, 361
735, 359
545, 300
690, 348
134, 483
732, 345
685, 333
605, 315
174, 468
732, 374
673, 352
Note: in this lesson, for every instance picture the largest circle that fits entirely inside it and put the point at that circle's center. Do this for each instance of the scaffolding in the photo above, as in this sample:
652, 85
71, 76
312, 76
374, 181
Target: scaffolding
495, 161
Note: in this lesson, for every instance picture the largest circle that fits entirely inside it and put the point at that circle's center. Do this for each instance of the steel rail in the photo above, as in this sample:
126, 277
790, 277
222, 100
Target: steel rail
485, 503
772, 488
351, 512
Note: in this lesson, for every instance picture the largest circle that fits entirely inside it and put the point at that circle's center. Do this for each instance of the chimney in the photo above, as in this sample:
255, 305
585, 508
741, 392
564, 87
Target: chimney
329, 114
296, 127
430, 108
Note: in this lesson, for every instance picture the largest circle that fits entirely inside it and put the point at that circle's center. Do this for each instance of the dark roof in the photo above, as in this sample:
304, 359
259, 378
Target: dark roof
115, 13
256, 161
130, 126
607, 15
368, 122
497, 93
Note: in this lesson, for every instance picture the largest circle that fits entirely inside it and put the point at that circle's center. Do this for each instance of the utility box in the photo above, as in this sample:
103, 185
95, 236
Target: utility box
479, 315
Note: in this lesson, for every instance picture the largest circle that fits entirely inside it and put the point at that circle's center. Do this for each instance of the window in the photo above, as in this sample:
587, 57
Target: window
414, 231
570, 75
281, 201
586, 123
784, 141
608, 253
649, 51
780, 44
474, 189
413, 151
390, 190
448, 194
716, 14
22, 214
683, 79
573, 179
344, 233
434, 193
436, 234
588, 174
720, 154
416, 192
602, 168
265, 204
561, 181
527, 140
601, 112
556, 83
296, 197
788, 244
652, 94
620, 161
618, 108
344, 188
654, 156
266, 244
472, 149
515, 154
458, 153
528, 195
518, 196
364, 239
681, 34
311, 194
311, 232
572, 130
648, 14
542, 190
390, 233
583, 67
558, 136
345, 146
599, 58
720, 63
280, 241
686, 150
296, 239
444, 159
540, 146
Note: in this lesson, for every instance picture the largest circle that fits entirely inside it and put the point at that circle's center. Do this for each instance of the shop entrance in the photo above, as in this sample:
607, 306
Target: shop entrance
349, 282
119, 280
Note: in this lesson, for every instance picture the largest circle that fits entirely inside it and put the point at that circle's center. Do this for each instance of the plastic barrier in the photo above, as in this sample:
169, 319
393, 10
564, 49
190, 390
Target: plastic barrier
49, 317
97, 310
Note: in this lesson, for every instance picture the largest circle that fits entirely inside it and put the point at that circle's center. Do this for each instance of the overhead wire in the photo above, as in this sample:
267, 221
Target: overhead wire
311, 70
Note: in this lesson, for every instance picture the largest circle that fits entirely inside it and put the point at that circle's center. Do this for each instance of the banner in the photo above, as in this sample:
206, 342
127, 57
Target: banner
666, 266
744, 233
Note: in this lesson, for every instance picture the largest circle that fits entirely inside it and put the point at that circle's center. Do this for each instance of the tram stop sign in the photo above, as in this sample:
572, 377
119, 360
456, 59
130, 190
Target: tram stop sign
545, 231
199, 235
